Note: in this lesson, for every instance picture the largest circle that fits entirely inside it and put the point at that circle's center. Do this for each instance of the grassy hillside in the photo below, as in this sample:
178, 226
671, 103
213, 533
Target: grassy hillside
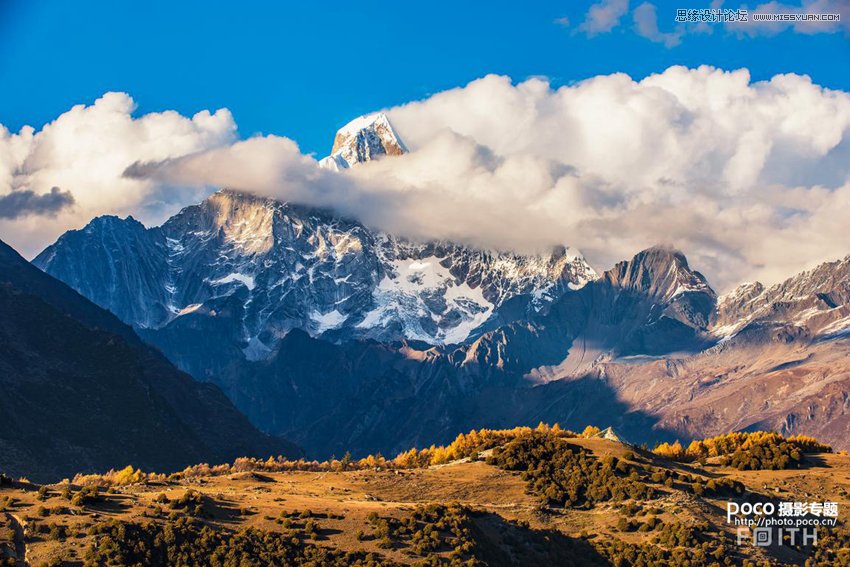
519, 497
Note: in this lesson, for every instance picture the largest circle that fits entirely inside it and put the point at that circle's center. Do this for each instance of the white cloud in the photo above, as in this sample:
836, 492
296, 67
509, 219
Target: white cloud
753, 28
646, 25
607, 15
750, 179
83, 153
604, 16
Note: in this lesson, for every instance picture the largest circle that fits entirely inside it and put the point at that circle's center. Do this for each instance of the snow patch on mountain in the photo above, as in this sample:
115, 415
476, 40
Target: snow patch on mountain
246, 280
428, 301
837, 328
326, 321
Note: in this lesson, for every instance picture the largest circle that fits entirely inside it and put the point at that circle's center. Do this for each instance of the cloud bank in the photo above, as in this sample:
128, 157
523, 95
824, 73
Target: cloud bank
750, 179
85, 152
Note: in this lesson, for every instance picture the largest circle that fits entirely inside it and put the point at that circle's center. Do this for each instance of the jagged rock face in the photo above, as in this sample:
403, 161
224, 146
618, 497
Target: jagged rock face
253, 269
653, 304
663, 275
735, 304
363, 139
815, 303
117, 264
659, 272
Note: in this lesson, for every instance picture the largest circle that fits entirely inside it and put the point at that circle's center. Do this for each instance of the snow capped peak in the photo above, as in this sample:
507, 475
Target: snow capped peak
225, 199
363, 139
262, 268
365, 122
818, 299
574, 256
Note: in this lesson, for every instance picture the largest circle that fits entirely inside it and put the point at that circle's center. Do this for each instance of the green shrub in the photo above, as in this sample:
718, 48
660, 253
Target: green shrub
569, 475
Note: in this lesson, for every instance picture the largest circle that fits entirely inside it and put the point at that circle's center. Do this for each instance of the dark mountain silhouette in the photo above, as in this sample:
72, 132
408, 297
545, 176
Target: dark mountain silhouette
81, 392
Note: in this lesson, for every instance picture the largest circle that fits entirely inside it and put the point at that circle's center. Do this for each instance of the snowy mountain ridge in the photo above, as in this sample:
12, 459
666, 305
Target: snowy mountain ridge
284, 267
817, 300
243, 271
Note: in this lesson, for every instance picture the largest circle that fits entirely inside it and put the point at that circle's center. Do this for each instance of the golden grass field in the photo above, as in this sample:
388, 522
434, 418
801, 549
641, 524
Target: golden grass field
340, 504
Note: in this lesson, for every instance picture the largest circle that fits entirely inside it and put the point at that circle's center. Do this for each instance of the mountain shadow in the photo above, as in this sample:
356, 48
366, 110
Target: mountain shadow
82, 393
501, 543
369, 398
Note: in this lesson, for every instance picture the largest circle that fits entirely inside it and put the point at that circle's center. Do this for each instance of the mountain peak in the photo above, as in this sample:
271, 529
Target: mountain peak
243, 220
227, 198
663, 251
113, 221
660, 270
363, 139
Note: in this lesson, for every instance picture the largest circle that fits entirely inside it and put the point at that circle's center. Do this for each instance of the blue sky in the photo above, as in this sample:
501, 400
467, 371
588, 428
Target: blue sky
303, 70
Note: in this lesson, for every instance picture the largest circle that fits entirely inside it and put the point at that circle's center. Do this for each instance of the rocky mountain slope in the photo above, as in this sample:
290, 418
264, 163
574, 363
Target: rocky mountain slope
816, 300
247, 270
522, 372
82, 392
406, 390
